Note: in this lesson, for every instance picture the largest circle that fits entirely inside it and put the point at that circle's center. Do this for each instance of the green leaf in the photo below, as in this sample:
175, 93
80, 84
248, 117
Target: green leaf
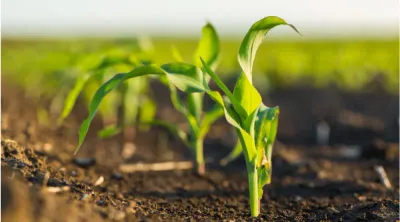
264, 177
266, 128
176, 101
253, 39
94, 105
208, 47
147, 111
246, 94
234, 154
249, 123
194, 126
106, 88
271, 136
87, 62
109, 131
209, 118
144, 70
230, 114
182, 75
112, 60
185, 76
195, 105
72, 97
238, 108
131, 106
249, 148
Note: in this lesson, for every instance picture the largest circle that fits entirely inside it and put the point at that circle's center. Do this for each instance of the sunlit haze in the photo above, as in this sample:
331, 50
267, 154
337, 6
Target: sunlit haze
124, 17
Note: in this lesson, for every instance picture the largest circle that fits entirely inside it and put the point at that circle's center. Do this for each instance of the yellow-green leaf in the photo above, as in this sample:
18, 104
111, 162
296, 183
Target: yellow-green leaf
185, 76
253, 39
246, 94
208, 47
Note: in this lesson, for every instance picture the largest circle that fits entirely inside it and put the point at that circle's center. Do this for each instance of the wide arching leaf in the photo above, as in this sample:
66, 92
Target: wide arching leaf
183, 76
95, 103
253, 39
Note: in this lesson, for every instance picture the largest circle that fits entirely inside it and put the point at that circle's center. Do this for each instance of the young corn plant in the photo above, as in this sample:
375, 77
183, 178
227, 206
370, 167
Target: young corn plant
255, 123
192, 108
132, 98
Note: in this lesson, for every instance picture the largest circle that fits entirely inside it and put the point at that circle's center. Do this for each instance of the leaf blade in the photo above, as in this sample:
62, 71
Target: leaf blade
106, 88
95, 103
238, 108
246, 94
185, 76
253, 39
208, 47
209, 118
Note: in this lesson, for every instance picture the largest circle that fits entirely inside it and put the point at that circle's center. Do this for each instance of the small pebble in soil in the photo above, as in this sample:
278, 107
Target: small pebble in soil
47, 147
333, 210
298, 198
101, 202
117, 176
362, 198
84, 162
323, 130
84, 196
99, 181
74, 173
16, 164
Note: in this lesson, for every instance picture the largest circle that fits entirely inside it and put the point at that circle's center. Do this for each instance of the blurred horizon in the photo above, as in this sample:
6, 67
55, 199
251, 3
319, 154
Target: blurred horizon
183, 19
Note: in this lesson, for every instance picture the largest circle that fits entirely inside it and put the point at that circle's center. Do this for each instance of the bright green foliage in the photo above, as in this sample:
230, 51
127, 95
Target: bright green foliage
253, 39
186, 77
255, 123
208, 48
132, 97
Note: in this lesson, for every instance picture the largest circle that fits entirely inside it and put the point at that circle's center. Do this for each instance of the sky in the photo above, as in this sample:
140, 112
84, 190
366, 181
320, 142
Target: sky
185, 17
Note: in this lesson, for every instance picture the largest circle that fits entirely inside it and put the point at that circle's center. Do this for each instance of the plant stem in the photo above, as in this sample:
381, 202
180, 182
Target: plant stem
253, 192
198, 145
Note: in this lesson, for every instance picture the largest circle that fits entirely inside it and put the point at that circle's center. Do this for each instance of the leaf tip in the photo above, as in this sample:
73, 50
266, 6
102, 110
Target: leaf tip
295, 29
77, 149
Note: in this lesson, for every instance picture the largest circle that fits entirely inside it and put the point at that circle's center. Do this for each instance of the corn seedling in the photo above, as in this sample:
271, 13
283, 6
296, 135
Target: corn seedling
199, 124
208, 48
132, 98
255, 123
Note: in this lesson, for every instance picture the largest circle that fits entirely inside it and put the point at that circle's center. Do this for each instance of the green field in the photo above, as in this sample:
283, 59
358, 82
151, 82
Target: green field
349, 63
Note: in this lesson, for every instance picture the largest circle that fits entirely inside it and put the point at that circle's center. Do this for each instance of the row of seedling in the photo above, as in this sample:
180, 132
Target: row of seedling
255, 123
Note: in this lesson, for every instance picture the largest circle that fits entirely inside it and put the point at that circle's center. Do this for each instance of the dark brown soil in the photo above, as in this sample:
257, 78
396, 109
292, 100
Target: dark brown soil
42, 181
